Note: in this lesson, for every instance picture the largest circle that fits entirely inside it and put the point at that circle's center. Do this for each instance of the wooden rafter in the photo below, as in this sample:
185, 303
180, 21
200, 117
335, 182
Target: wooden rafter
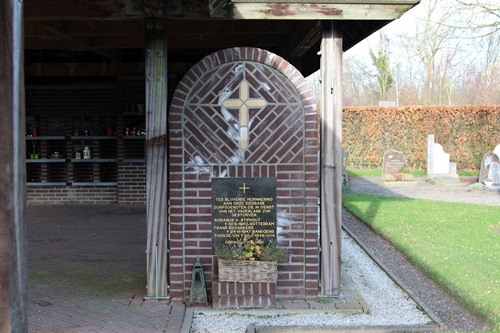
312, 11
301, 40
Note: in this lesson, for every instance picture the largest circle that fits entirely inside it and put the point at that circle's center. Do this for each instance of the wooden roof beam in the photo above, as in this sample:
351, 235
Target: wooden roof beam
94, 10
57, 28
302, 39
299, 10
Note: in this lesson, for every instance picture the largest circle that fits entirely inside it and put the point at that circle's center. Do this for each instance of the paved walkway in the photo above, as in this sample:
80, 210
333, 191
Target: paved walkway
422, 189
87, 264
87, 273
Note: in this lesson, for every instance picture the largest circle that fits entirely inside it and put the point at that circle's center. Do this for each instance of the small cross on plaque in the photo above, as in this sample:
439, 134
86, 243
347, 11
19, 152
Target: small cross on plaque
244, 188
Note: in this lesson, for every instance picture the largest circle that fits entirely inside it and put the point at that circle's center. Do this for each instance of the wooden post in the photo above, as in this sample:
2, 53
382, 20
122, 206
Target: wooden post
13, 285
331, 157
156, 152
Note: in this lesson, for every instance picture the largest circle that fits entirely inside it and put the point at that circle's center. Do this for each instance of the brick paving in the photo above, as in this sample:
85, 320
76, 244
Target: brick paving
87, 273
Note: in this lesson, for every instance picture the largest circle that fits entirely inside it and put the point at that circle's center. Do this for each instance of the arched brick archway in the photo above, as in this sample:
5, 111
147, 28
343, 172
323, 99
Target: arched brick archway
243, 112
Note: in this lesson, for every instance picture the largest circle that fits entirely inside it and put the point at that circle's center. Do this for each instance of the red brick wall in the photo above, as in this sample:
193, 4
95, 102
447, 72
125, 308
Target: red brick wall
56, 195
132, 183
283, 144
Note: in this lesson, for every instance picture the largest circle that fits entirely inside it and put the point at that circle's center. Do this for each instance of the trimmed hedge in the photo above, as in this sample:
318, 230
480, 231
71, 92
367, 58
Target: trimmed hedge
465, 132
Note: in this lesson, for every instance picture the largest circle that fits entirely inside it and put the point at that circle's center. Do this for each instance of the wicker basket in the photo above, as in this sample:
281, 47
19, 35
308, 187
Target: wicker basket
246, 271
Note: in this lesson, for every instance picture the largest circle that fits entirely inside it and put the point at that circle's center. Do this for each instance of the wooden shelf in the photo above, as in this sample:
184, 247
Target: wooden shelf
38, 138
94, 184
46, 160
66, 136
46, 183
134, 160
92, 137
94, 160
134, 137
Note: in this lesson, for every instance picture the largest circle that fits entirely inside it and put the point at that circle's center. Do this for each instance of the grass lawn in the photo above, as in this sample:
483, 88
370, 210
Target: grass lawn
456, 244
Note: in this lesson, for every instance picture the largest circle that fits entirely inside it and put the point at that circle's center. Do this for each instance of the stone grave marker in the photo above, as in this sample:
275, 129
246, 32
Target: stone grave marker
490, 168
394, 162
438, 161
496, 151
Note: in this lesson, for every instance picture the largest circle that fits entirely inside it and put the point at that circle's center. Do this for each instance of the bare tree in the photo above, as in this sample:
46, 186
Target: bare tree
381, 62
483, 16
431, 45
451, 55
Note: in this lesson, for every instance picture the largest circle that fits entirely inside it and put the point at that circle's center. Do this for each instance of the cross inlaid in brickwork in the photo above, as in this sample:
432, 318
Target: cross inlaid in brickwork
244, 103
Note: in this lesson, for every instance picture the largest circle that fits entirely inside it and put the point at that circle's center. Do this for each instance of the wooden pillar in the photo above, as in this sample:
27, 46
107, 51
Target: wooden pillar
156, 152
331, 157
13, 286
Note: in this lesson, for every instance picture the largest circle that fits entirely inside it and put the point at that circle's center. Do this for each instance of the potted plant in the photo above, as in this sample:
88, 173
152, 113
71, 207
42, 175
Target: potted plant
249, 259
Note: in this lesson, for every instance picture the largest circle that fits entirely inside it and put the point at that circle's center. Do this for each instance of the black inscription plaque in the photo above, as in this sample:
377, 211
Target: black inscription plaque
243, 207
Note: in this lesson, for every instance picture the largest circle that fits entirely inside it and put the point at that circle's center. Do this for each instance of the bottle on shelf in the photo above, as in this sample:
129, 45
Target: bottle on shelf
78, 154
86, 153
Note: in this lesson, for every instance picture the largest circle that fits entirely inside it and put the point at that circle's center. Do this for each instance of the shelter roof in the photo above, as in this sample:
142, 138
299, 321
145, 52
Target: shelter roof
98, 37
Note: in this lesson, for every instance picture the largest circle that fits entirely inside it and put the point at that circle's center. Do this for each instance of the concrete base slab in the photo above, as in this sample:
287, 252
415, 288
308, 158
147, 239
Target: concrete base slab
446, 181
492, 188
401, 183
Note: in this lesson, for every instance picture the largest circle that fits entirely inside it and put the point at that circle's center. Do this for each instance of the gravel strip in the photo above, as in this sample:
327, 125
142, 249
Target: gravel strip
388, 303
452, 313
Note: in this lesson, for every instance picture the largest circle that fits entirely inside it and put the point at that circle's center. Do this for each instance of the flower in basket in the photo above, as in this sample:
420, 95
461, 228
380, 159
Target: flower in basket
252, 249
249, 259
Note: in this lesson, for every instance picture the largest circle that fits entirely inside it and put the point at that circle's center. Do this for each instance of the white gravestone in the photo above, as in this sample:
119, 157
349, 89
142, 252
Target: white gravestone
496, 151
438, 162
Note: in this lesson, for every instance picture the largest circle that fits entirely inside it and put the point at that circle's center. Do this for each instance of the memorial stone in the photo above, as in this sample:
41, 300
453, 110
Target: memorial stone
438, 162
496, 151
490, 168
243, 207
393, 163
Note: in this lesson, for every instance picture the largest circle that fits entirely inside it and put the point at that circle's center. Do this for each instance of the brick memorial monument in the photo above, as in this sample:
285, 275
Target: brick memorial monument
243, 140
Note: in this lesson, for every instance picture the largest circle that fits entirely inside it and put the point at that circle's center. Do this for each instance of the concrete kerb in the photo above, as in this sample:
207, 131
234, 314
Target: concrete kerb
187, 321
314, 329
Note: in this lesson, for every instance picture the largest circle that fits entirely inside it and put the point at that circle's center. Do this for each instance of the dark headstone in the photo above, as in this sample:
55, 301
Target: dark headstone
393, 163
243, 207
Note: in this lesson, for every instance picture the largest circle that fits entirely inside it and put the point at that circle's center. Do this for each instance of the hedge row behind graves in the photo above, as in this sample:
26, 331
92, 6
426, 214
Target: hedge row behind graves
465, 132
